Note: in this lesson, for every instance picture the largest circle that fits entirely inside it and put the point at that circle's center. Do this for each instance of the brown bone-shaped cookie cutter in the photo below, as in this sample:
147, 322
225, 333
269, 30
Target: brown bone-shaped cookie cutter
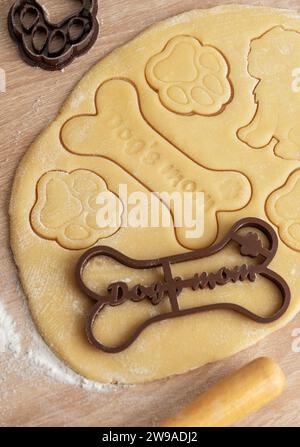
48, 45
249, 244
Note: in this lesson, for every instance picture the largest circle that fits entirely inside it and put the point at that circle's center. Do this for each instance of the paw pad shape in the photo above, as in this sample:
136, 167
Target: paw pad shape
284, 211
190, 78
66, 208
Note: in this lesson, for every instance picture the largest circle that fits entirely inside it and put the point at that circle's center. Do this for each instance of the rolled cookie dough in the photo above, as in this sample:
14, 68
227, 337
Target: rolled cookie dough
207, 101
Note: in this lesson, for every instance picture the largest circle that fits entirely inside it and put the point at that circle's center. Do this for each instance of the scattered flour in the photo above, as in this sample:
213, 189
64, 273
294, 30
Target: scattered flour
37, 357
9, 338
41, 358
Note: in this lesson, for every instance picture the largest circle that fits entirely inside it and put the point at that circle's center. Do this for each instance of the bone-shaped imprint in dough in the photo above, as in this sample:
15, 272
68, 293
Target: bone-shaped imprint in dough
249, 244
119, 132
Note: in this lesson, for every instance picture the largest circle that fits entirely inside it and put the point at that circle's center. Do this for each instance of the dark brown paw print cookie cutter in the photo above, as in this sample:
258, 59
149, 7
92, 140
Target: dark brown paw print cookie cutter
48, 45
249, 245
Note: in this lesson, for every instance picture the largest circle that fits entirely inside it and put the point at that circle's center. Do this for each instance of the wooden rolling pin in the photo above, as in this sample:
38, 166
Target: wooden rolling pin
244, 392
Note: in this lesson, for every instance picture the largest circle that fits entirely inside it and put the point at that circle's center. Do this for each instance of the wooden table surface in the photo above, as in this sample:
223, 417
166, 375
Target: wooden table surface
32, 100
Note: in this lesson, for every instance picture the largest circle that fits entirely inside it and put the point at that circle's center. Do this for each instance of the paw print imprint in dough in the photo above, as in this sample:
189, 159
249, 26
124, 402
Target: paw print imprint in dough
119, 132
66, 208
272, 60
190, 78
283, 209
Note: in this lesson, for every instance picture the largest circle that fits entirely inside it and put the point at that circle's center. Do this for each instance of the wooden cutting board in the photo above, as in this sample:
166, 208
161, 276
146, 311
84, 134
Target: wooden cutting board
32, 100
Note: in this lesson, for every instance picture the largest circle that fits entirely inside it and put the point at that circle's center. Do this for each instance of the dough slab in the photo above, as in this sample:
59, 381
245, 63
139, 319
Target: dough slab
207, 101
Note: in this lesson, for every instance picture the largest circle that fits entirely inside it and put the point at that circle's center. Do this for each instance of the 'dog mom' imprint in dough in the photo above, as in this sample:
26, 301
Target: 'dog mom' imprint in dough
190, 77
283, 209
273, 59
120, 133
66, 209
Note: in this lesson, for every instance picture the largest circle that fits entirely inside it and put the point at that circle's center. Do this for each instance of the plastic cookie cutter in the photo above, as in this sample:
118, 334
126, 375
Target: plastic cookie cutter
48, 45
249, 244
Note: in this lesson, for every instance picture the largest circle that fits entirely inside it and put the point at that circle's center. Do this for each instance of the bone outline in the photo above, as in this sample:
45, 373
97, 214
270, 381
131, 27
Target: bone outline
180, 156
166, 262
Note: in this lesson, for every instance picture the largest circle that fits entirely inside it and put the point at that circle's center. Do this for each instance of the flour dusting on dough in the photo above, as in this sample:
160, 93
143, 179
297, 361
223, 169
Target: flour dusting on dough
41, 358
36, 359
9, 338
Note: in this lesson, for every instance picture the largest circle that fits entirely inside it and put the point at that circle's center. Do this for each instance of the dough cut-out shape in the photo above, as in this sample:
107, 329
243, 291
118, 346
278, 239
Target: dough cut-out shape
283, 209
124, 136
274, 61
190, 77
66, 209
128, 136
